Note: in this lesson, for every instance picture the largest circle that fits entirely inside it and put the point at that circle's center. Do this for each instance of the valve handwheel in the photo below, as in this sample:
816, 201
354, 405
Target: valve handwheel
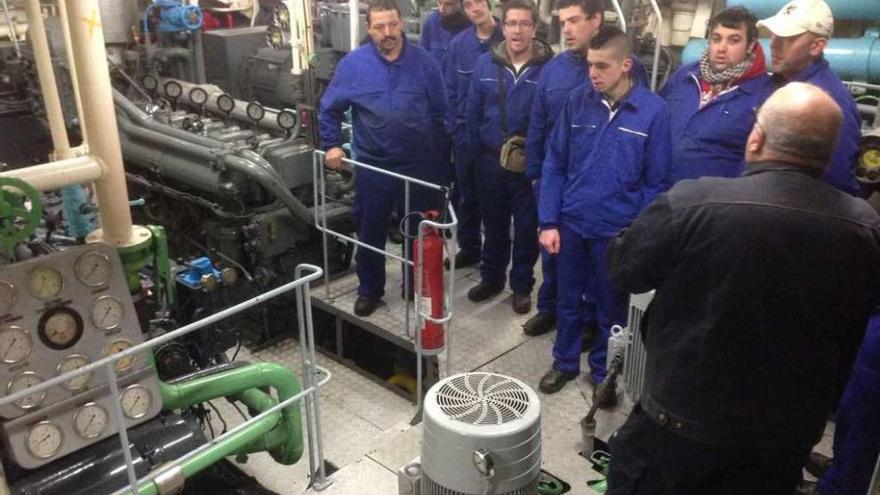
17, 221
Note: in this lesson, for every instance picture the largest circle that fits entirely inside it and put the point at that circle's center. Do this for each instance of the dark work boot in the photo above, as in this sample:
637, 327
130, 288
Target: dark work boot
539, 324
522, 302
554, 380
483, 291
366, 305
818, 464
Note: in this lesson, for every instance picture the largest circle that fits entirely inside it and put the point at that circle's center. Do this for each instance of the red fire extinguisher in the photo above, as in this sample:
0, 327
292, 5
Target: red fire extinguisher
431, 290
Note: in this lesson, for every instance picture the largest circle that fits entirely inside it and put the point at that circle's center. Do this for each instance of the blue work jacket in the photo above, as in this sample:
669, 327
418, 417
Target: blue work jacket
559, 77
711, 141
601, 168
464, 49
842, 172
483, 111
436, 38
397, 107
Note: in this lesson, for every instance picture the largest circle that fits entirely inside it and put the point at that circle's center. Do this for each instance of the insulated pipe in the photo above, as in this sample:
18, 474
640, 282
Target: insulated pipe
851, 58
199, 56
100, 120
48, 85
71, 66
545, 11
60, 173
179, 53
851, 10
656, 66
354, 16
13, 31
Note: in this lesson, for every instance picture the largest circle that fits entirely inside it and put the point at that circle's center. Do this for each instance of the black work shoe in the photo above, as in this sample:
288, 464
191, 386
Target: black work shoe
589, 337
807, 488
483, 291
521, 302
463, 259
554, 380
539, 324
366, 305
818, 464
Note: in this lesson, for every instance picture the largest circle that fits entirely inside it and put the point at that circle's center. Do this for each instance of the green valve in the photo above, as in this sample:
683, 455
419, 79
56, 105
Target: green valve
17, 223
548, 485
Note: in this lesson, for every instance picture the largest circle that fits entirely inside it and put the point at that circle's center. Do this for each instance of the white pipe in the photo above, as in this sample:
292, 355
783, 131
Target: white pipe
13, 32
620, 17
100, 120
354, 17
61, 173
48, 86
545, 11
71, 67
656, 65
297, 31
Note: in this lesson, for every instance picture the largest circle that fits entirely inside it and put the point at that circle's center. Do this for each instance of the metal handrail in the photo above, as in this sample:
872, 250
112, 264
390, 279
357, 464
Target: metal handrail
656, 66
320, 212
309, 391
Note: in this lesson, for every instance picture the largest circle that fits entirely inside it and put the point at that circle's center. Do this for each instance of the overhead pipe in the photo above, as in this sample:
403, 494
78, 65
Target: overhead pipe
93, 76
60, 173
13, 31
850, 10
656, 66
179, 54
354, 16
621, 19
71, 66
851, 58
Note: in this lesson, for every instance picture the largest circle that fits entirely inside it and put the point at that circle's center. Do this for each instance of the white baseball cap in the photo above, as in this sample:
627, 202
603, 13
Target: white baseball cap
798, 17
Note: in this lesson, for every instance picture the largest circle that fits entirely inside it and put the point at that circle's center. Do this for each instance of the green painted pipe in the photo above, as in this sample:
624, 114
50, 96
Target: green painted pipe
285, 443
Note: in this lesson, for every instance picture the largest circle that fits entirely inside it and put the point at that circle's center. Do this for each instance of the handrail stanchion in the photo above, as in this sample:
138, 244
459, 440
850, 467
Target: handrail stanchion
321, 482
119, 417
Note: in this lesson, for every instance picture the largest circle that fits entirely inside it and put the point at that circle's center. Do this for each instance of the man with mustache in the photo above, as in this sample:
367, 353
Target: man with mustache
800, 33
397, 101
441, 26
513, 66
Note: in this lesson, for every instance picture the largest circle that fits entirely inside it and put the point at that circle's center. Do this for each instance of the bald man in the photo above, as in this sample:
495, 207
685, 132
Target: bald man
764, 284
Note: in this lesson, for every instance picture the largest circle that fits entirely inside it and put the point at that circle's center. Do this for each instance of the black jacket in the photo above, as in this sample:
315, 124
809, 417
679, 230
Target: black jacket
764, 286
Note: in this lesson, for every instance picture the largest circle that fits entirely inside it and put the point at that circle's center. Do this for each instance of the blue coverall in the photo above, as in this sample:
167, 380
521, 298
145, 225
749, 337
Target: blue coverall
711, 141
856, 433
464, 50
436, 38
560, 76
503, 193
602, 168
842, 172
397, 113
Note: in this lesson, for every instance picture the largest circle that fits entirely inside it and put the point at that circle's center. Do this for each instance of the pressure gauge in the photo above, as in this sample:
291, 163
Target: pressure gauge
136, 401
107, 312
25, 381
71, 363
173, 89
198, 96
116, 347
283, 15
274, 37
8, 295
225, 103
255, 111
15, 344
90, 420
45, 282
44, 439
60, 328
149, 83
286, 120
93, 269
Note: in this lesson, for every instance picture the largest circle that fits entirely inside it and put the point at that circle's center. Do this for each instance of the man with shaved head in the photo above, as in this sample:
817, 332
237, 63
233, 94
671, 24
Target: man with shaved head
764, 284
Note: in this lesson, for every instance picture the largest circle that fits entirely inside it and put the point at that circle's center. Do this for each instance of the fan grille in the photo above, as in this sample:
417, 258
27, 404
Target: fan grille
482, 399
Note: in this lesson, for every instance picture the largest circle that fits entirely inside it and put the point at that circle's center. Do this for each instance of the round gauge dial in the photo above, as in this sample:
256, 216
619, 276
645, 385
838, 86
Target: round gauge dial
44, 439
255, 111
198, 96
225, 103
15, 344
90, 420
286, 120
45, 282
75, 362
136, 401
149, 83
8, 295
283, 16
93, 269
274, 37
116, 347
60, 328
107, 312
173, 89
25, 381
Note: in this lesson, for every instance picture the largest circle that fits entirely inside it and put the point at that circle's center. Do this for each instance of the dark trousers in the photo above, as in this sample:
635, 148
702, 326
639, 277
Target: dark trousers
376, 196
582, 264
648, 459
467, 203
504, 196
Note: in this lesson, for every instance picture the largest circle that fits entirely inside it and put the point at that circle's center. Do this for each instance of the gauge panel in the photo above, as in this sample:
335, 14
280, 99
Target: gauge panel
45, 282
8, 295
93, 269
90, 420
136, 401
107, 313
75, 362
22, 382
15, 344
44, 440
60, 328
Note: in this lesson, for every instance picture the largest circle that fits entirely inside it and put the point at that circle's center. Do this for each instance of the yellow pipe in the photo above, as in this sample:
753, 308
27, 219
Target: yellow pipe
46, 73
71, 67
87, 39
61, 173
